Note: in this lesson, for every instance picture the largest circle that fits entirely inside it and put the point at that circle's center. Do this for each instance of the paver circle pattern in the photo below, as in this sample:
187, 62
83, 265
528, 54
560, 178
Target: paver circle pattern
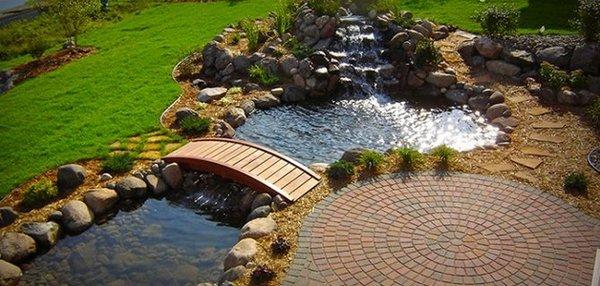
457, 229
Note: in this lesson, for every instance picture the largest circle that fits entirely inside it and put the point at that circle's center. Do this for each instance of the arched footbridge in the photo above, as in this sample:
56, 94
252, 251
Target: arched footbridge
255, 166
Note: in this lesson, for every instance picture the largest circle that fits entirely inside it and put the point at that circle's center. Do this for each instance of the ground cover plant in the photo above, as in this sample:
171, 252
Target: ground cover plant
74, 112
195, 125
340, 170
576, 182
498, 20
557, 78
39, 194
262, 75
410, 158
444, 154
371, 160
118, 163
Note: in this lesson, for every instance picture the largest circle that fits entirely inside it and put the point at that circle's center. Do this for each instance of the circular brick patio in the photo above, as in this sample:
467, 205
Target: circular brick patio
457, 229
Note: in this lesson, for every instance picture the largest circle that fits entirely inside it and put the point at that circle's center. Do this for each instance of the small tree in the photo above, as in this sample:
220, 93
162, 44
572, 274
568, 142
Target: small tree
72, 15
588, 20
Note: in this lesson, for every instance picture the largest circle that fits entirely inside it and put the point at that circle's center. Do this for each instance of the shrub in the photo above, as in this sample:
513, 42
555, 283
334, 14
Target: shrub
410, 157
72, 15
577, 79
557, 78
280, 246
588, 20
325, 7
193, 125
282, 19
444, 153
262, 274
37, 45
252, 31
39, 194
340, 170
576, 182
370, 159
235, 39
264, 77
498, 20
593, 112
427, 54
118, 163
299, 50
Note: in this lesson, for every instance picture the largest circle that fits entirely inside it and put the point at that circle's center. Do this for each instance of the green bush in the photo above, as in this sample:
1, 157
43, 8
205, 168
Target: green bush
118, 163
575, 182
588, 20
192, 125
498, 20
299, 50
340, 170
264, 77
411, 157
31, 37
252, 31
444, 154
370, 159
39, 194
577, 79
556, 78
325, 7
593, 113
38, 45
427, 54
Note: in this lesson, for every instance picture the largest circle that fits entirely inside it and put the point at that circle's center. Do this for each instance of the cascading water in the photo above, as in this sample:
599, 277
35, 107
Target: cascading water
365, 115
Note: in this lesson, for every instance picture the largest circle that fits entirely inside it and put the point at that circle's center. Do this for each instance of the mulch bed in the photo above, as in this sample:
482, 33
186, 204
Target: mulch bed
49, 63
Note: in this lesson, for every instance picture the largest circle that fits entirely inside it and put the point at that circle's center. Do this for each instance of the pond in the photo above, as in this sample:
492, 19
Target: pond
8, 4
163, 242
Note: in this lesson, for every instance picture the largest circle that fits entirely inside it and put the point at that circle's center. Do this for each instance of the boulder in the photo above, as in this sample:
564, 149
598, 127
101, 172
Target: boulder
77, 217
241, 63
488, 48
241, 253
557, 56
520, 58
398, 39
352, 155
458, 96
415, 35
288, 63
328, 29
223, 59
593, 83
173, 175
100, 201
185, 112
233, 274
262, 211
70, 176
319, 59
266, 101
235, 116
257, 228
248, 106
156, 185
262, 199
211, 93
441, 79
278, 91
279, 203
9, 273
16, 247
422, 30
466, 49
479, 103
131, 187
586, 58
224, 130
505, 123
7, 216
586, 97
293, 93
502, 68
55, 216
319, 167
496, 97
45, 234
566, 96
498, 110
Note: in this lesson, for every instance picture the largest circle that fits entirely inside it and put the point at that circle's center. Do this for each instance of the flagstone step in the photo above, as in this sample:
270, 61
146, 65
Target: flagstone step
529, 150
548, 125
547, 138
519, 98
526, 176
498, 167
537, 111
531, 163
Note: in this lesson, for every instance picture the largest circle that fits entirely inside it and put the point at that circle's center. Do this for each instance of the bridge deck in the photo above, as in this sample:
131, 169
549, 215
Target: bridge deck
256, 166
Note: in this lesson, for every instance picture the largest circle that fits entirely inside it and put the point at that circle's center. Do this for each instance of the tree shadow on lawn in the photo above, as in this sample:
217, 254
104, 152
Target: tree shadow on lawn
553, 14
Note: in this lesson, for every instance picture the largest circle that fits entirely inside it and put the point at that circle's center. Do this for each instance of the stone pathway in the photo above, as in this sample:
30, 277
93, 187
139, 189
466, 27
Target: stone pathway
457, 229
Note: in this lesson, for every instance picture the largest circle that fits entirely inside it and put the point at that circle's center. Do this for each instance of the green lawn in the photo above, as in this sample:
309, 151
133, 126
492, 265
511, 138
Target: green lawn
553, 14
74, 113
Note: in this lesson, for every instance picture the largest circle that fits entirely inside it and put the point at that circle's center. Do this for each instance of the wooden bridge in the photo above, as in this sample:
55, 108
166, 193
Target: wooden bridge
257, 167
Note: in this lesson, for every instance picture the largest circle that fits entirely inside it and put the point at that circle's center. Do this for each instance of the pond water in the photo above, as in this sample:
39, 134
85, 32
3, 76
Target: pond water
8, 4
365, 115
163, 242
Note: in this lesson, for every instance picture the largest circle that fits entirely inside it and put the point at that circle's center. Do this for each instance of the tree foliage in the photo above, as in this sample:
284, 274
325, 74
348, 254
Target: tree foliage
73, 16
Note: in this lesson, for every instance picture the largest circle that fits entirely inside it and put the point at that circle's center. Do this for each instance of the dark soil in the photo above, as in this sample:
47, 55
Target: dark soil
50, 63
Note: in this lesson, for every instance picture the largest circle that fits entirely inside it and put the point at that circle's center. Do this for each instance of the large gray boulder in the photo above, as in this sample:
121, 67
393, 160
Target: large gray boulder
293, 93
441, 79
241, 63
131, 187
352, 155
262, 199
77, 217
156, 185
262, 211
100, 201
9, 273
519, 57
458, 96
16, 247
257, 228
241, 253
502, 68
233, 274
498, 110
398, 39
235, 116
266, 101
557, 56
173, 175
479, 103
7, 216
587, 58
70, 176
45, 234
184, 113
288, 64
211, 93
488, 48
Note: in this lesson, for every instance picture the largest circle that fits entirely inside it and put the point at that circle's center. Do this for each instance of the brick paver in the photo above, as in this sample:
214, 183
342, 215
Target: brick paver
456, 229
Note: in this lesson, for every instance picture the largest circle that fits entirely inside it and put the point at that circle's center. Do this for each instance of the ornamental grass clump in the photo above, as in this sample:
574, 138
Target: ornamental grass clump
262, 75
252, 31
498, 20
427, 54
340, 170
593, 113
262, 275
118, 163
444, 154
282, 18
39, 194
588, 20
371, 160
410, 158
193, 125
576, 183
280, 246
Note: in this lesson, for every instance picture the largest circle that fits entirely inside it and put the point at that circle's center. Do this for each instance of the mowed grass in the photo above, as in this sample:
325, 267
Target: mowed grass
76, 111
553, 14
